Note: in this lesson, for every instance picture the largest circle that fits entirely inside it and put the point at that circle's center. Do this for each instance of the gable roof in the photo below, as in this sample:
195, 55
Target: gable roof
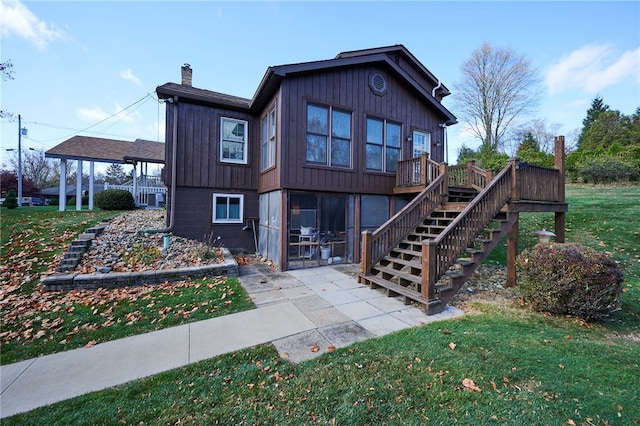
274, 76
108, 150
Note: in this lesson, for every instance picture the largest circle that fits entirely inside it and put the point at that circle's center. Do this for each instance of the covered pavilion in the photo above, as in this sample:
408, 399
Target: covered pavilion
100, 150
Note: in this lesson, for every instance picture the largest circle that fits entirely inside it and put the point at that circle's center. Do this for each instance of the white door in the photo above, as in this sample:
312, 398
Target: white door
421, 145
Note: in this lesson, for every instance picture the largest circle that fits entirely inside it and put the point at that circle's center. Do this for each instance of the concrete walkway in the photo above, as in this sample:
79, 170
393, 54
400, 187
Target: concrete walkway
296, 311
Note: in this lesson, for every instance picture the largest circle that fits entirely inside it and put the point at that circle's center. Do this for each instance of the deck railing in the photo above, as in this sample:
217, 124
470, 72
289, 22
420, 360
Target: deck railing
469, 175
537, 183
147, 191
440, 253
377, 244
416, 172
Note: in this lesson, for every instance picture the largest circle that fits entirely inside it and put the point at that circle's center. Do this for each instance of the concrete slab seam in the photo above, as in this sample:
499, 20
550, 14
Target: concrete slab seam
19, 375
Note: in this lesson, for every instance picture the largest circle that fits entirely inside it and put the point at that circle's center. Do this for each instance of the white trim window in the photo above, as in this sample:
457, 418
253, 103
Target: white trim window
269, 140
228, 208
233, 140
384, 141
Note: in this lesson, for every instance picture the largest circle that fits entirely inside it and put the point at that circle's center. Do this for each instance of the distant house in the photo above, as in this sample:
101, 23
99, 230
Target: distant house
317, 146
331, 161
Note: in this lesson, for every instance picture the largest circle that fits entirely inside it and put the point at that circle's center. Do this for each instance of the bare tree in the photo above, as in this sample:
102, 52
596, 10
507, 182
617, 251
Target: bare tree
498, 85
6, 70
538, 128
35, 166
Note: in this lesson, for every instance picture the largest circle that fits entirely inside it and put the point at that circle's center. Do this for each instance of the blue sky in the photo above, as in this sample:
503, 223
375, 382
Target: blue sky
78, 63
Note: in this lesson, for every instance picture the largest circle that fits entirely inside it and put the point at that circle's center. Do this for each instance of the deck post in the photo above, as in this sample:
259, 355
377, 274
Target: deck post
366, 252
559, 164
470, 165
515, 192
444, 170
428, 269
424, 174
513, 241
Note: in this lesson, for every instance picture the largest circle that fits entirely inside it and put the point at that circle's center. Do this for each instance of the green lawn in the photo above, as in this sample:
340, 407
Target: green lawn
499, 364
35, 322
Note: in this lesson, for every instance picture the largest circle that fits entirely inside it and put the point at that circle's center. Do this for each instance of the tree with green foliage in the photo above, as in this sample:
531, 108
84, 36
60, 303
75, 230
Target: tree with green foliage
115, 174
608, 146
529, 151
10, 201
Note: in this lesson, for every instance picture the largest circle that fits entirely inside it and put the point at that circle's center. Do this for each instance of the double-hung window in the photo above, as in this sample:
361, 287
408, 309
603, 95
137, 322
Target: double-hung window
233, 140
384, 141
269, 140
227, 208
328, 136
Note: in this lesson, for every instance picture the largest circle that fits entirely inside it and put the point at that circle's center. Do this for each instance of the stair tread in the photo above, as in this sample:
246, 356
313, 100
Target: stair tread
400, 274
413, 263
396, 288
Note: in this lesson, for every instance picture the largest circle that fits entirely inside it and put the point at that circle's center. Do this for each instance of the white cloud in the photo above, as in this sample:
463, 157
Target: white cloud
96, 114
16, 18
129, 76
91, 115
592, 68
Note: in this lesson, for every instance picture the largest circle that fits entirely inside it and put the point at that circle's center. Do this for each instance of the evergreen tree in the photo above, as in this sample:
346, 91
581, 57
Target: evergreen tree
11, 201
597, 108
115, 174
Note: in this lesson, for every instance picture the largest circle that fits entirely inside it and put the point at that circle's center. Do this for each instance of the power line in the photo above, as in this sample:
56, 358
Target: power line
75, 131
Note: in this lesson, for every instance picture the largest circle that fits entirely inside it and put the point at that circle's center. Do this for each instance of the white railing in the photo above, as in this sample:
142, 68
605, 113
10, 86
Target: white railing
148, 191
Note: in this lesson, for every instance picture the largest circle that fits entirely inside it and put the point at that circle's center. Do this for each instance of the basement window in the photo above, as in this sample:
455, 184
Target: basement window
227, 208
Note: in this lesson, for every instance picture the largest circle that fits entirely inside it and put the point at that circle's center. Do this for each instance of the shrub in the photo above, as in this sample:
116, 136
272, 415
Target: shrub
605, 170
569, 279
114, 199
10, 201
84, 201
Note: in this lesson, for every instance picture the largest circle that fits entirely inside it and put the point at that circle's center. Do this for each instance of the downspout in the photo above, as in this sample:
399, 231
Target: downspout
174, 167
433, 92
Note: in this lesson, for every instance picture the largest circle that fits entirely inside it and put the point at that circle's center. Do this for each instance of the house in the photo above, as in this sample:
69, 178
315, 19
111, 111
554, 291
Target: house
328, 162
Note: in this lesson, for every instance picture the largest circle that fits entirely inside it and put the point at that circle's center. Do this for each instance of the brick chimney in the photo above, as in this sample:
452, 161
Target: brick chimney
186, 74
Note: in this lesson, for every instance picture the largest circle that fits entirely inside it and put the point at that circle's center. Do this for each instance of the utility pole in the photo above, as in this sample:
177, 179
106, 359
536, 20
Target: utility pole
21, 132
19, 161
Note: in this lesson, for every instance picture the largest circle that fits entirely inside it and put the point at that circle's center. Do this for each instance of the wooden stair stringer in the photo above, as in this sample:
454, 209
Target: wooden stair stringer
468, 267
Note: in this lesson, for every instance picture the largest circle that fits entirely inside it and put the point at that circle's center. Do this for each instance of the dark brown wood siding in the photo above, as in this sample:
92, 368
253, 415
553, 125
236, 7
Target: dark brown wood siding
269, 179
198, 157
347, 90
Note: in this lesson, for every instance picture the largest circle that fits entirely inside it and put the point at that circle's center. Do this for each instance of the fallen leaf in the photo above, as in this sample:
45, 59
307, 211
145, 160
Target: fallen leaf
571, 422
470, 385
452, 345
90, 344
331, 348
445, 331
315, 348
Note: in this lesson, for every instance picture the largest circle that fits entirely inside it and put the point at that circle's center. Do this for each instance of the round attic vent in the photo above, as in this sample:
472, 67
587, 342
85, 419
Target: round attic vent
377, 83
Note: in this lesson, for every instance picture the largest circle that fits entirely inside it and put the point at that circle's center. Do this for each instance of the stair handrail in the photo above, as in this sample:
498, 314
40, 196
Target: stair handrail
439, 254
378, 243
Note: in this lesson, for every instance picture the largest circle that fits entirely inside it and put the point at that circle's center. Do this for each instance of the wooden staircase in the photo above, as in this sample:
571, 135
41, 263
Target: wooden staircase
433, 259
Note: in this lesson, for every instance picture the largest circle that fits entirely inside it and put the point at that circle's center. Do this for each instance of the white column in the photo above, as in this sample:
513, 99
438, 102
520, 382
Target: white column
62, 203
91, 170
79, 186
135, 185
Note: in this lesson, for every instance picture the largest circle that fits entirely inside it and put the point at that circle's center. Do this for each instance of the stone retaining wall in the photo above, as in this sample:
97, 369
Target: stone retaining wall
75, 281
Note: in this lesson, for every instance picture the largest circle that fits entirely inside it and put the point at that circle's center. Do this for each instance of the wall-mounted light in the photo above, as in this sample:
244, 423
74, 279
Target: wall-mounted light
438, 143
409, 138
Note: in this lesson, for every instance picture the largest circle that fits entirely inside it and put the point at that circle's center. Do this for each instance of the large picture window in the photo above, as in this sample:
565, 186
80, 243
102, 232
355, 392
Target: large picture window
233, 140
384, 139
328, 136
269, 140
227, 208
